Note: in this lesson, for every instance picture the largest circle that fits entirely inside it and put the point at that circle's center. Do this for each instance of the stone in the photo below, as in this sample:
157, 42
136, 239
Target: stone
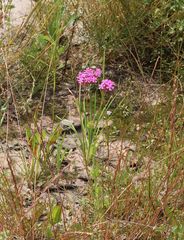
109, 113
114, 150
70, 142
16, 160
17, 144
80, 183
83, 176
20, 11
118, 154
68, 124
130, 145
75, 157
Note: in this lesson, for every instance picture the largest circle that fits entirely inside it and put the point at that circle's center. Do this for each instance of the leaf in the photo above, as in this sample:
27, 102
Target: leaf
61, 50
49, 232
42, 39
28, 135
56, 214
37, 138
55, 135
60, 156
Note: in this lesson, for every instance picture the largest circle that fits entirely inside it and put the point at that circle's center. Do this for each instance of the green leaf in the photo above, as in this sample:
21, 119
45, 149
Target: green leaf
28, 134
56, 214
60, 156
49, 232
61, 50
43, 39
54, 136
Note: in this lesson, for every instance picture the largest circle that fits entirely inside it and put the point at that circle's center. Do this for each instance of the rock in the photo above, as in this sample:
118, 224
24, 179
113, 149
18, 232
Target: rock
109, 113
75, 165
80, 183
20, 11
66, 88
101, 138
62, 186
70, 142
68, 124
130, 145
75, 157
140, 177
76, 121
15, 159
115, 150
149, 166
118, 154
83, 176
17, 145
80, 36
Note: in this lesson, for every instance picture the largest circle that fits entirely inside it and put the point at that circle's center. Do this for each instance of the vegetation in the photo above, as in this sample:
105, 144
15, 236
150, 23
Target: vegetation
108, 76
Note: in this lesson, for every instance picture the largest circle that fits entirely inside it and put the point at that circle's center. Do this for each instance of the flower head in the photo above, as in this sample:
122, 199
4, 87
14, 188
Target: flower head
107, 85
89, 76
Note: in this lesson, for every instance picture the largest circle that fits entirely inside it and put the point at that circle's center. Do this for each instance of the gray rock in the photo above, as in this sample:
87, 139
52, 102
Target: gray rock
16, 159
130, 145
21, 9
70, 142
67, 124
76, 166
117, 152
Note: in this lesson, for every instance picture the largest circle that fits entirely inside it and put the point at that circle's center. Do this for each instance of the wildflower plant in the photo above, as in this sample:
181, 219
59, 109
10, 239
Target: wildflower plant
91, 110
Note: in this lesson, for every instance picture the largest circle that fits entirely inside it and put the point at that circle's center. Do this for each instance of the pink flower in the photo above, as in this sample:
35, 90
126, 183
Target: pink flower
107, 85
89, 76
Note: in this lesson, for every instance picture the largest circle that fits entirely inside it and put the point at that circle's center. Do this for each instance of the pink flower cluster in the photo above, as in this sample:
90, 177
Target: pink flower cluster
91, 75
107, 85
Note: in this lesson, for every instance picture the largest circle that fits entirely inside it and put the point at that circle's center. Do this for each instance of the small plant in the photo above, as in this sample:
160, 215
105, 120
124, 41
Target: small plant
41, 146
92, 111
95, 99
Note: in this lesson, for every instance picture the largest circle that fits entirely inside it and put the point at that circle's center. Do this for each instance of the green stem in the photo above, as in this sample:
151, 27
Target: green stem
103, 63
